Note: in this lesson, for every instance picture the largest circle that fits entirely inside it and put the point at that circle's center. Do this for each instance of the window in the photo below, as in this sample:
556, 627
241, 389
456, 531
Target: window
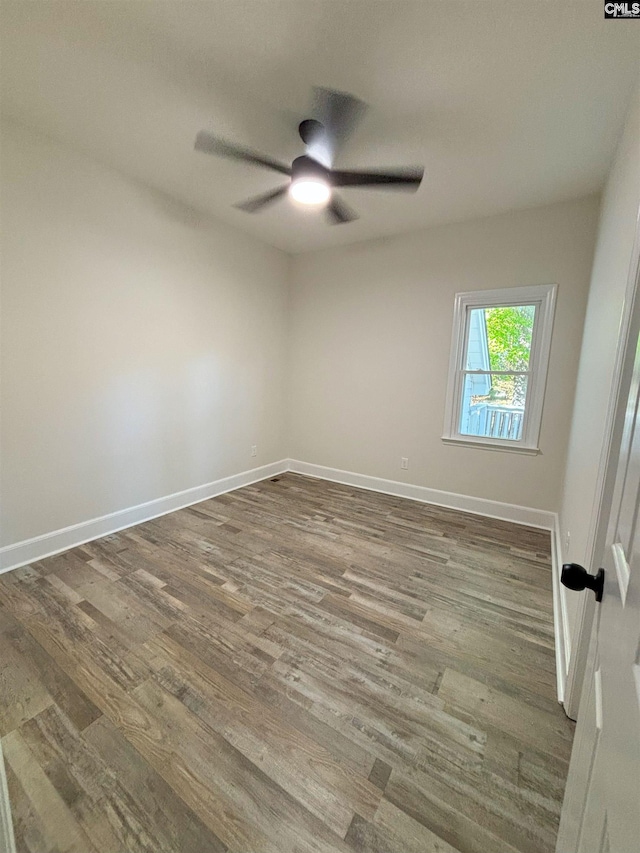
499, 357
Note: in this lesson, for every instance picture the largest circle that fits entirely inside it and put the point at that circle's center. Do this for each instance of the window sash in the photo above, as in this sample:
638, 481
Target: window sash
542, 298
495, 406
530, 373
496, 372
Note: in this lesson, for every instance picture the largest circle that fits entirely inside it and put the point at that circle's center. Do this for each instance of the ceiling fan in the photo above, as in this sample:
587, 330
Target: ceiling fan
313, 181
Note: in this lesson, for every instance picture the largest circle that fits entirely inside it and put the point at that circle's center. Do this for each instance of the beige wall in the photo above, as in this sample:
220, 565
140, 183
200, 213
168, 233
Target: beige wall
371, 331
143, 347
616, 232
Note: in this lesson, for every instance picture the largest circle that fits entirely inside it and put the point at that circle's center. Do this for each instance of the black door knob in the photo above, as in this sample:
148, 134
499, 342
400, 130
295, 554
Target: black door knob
576, 577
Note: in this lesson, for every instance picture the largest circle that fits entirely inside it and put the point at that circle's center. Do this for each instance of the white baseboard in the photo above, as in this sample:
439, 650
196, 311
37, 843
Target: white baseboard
7, 839
562, 635
464, 503
30, 550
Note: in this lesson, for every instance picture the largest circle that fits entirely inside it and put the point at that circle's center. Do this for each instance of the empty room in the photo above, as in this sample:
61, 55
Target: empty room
320, 376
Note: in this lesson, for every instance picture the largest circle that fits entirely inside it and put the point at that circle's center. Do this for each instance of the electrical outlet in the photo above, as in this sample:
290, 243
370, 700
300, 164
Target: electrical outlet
254, 449
404, 462
567, 542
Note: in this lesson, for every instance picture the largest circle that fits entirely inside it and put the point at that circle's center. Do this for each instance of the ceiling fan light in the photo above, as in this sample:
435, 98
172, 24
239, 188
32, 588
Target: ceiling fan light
310, 191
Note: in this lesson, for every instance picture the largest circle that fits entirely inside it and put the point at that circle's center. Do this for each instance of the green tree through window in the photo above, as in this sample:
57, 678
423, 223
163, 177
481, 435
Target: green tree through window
509, 334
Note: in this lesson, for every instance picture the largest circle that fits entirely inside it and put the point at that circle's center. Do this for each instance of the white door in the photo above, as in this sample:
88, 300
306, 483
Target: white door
601, 809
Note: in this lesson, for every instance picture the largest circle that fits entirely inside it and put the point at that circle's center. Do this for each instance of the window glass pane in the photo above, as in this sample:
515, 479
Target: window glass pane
493, 406
500, 338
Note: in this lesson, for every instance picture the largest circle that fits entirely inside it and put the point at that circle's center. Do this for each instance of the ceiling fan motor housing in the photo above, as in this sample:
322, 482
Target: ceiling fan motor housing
306, 167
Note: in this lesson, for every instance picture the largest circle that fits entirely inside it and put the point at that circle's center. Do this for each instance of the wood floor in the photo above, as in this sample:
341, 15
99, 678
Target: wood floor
294, 666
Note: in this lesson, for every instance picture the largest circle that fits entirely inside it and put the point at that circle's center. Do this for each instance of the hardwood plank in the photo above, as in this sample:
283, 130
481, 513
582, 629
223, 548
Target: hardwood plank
303, 767
111, 790
134, 618
243, 806
175, 824
471, 700
439, 812
30, 835
380, 773
33, 658
393, 829
71, 637
22, 692
62, 835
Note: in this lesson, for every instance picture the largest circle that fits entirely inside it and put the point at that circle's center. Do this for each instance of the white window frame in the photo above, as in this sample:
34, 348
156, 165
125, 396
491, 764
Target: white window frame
543, 297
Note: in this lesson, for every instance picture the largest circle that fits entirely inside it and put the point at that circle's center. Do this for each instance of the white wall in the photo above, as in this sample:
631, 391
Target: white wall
371, 331
616, 233
143, 347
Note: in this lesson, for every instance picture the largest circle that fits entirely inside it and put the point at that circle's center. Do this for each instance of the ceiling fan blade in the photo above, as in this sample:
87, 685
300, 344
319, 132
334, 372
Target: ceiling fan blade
397, 179
253, 205
339, 211
211, 144
339, 112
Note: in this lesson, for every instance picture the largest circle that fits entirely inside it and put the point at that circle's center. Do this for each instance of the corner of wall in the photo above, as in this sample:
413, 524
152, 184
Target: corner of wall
287, 427
37, 548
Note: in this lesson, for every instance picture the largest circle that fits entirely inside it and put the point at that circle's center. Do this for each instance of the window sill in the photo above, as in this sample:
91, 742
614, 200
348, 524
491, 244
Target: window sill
490, 445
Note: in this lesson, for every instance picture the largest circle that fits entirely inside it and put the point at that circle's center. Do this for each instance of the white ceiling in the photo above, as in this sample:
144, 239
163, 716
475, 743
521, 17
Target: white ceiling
507, 104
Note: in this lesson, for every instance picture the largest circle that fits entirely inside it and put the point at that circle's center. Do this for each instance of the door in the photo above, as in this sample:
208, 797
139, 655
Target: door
601, 809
